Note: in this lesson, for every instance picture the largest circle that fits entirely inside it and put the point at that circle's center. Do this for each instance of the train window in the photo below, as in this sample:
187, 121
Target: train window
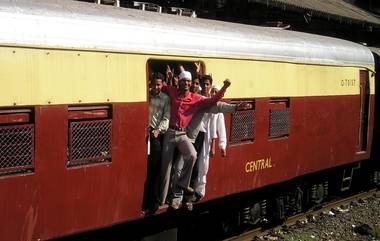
243, 124
16, 141
90, 135
278, 118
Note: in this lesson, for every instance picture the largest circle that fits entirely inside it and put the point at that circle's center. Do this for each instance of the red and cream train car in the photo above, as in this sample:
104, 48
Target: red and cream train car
74, 107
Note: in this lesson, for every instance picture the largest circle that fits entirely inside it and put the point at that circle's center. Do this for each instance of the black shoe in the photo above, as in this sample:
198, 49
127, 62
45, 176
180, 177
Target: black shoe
152, 209
155, 207
197, 197
186, 190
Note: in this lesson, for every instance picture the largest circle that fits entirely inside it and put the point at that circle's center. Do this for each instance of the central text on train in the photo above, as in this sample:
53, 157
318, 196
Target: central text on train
257, 165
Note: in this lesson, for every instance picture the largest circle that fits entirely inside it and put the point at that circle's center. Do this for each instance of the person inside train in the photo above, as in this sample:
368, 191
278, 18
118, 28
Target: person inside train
159, 115
202, 140
184, 105
175, 81
204, 125
214, 127
197, 138
176, 194
171, 77
195, 86
220, 125
202, 119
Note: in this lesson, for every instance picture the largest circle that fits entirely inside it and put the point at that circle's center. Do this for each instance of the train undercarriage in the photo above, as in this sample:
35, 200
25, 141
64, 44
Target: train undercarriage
229, 216
272, 205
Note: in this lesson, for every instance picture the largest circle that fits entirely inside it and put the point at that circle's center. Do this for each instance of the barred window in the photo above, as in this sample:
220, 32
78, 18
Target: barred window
243, 123
278, 118
16, 141
90, 135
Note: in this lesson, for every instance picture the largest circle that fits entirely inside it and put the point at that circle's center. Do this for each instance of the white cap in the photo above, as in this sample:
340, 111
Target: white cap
185, 75
215, 87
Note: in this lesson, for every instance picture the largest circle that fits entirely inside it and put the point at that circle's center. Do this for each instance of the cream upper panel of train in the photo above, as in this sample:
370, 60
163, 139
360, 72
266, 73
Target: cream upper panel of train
69, 52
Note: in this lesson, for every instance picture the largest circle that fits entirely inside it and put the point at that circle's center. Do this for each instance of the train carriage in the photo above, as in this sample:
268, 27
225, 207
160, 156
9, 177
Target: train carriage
74, 109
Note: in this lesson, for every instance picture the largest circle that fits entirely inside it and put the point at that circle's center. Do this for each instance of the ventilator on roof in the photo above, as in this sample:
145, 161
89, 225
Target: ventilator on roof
108, 2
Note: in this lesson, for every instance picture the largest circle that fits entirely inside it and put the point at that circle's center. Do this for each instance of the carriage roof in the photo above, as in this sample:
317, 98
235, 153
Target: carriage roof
78, 25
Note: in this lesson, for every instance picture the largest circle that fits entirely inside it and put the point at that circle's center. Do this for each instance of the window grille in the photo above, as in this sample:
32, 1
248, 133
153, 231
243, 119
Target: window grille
16, 141
278, 118
90, 135
243, 124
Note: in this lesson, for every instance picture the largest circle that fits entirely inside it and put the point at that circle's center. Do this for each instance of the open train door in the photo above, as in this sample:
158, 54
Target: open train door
364, 111
362, 140
375, 152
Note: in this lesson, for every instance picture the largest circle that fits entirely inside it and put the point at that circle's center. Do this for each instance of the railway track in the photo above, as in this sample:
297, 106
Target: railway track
325, 208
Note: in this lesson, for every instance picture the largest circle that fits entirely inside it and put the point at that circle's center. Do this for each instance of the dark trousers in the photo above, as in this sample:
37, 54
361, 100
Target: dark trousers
152, 184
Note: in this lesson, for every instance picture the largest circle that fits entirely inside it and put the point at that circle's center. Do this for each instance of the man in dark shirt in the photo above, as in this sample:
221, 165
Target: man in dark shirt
184, 105
159, 115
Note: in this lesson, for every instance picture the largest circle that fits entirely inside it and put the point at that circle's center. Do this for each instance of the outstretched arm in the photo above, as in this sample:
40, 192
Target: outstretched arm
207, 102
223, 107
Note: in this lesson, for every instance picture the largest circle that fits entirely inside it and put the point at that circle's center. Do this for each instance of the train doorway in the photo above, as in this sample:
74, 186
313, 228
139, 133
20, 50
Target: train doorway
364, 111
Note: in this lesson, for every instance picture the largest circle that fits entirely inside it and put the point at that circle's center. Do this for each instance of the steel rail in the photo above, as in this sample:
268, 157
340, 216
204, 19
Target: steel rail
249, 235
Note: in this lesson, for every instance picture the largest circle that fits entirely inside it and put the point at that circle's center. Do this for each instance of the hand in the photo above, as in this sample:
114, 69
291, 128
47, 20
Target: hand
226, 83
212, 153
198, 67
169, 72
243, 106
212, 147
156, 133
181, 68
223, 152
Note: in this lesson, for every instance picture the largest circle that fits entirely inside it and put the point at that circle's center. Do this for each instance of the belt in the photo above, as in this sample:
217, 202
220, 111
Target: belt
177, 128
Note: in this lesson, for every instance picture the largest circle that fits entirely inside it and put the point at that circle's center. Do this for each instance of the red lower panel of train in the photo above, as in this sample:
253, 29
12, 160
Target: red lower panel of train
57, 198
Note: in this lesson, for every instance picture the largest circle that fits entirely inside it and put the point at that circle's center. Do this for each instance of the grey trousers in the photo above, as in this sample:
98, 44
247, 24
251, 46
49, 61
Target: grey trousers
173, 139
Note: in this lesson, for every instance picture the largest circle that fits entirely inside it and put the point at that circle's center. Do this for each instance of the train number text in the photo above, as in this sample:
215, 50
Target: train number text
347, 82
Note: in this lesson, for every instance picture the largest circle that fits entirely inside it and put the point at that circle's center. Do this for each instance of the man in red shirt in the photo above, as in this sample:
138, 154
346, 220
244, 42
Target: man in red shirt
184, 105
